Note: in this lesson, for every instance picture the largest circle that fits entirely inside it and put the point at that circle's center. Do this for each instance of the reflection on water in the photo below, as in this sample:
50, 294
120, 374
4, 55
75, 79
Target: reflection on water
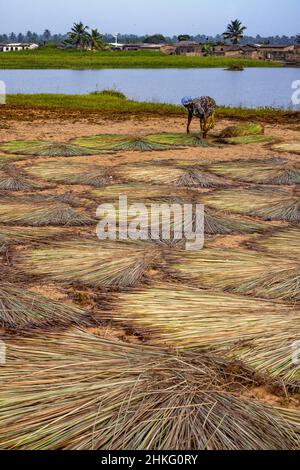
251, 88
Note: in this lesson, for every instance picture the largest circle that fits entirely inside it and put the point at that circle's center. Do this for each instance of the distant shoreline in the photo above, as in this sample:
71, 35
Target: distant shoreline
51, 58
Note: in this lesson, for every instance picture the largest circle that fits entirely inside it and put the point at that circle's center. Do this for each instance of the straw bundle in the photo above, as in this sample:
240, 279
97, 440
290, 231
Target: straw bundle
267, 204
228, 324
287, 210
15, 182
243, 129
115, 142
182, 316
285, 243
44, 149
85, 393
247, 140
13, 212
178, 140
214, 224
291, 147
196, 178
242, 272
70, 173
149, 173
22, 309
5, 159
13, 235
271, 356
137, 192
163, 141
266, 172
98, 264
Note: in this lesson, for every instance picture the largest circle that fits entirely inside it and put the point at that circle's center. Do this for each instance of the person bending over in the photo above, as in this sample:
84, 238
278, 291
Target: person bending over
204, 108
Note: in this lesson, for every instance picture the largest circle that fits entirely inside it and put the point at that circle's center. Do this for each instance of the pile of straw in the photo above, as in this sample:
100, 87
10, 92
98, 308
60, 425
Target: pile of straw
21, 309
44, 149
98, 264
14, 212
75, 391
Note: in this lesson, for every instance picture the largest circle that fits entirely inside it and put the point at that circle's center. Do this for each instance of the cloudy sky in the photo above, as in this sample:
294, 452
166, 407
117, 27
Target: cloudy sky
265, 17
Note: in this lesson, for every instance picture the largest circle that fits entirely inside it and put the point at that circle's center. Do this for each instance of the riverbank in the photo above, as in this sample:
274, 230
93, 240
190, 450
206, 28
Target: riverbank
113, 105
52, 58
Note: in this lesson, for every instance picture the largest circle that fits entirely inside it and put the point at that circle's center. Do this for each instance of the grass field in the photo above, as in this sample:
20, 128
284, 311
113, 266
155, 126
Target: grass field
113, 103
52, 58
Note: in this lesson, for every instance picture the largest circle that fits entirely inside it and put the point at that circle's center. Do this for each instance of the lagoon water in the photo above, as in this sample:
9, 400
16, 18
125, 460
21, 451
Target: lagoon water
254, 87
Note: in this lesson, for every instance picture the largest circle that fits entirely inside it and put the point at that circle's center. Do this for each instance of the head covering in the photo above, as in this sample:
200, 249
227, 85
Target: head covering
186, 100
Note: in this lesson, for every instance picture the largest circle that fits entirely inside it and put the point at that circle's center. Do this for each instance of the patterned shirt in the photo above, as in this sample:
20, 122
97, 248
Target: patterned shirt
202, 107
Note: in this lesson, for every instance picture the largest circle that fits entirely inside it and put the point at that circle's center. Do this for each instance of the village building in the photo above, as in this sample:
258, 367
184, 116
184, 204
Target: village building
188, 48
275, 51
288, 54
142, 47
18, 47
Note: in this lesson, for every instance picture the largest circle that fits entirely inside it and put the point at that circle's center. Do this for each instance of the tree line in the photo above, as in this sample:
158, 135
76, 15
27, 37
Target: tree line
83, 37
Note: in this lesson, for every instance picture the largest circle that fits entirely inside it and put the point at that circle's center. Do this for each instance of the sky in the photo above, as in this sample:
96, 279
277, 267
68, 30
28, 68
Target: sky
170, 17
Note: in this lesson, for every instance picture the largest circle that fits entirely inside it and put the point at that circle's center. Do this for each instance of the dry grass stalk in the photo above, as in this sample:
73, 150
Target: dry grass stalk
99, 264
14, 212
230, 324
44, 149
22, 309
75, 391
241, 271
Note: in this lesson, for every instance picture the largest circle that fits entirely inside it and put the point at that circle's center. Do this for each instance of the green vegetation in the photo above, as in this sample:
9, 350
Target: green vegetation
108, 103
53, 58
235, 31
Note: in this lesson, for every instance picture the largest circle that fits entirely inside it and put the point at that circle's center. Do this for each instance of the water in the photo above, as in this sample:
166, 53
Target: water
252, 88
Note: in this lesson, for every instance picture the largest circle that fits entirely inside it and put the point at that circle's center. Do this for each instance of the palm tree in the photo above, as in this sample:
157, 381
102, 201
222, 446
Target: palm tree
95, 40
235, 31
78, 36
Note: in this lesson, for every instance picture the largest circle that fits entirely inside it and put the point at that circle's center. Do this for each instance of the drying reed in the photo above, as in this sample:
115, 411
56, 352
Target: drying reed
21, 309
247, 140
271, 356
241, 271
14, 235
149, 173
215, 224
115, 142
68, 197
44, 149
197, 178
14, 182
265, 172
285, 243
267, 204
287, 210
75, 391
177, 139
98, 264
291, 147
142, 143
70, 173
242, 130
11, 180
187, 317
14, 212
137, 192
6, 159
182, 316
